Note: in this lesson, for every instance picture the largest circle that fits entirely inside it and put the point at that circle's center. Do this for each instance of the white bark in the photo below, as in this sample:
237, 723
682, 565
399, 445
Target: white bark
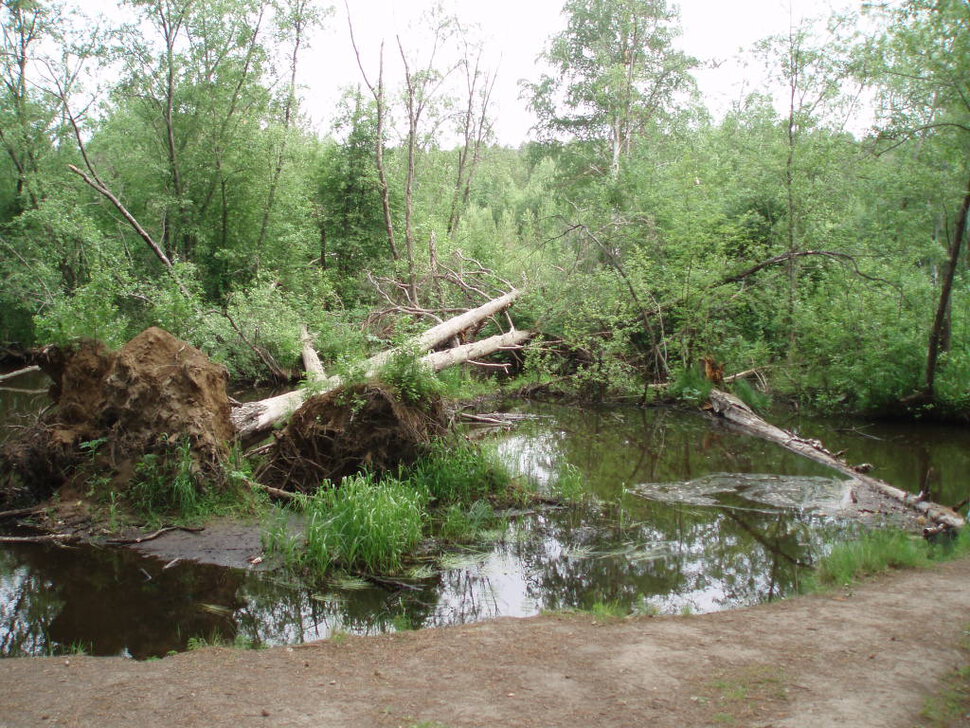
255, 418
736, 411
459, 354
311, 360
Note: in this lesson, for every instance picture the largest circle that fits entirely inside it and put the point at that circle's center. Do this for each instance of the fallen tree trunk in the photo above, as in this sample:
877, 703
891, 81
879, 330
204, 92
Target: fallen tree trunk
255, 418
311, 360
19, 372
466, 352
737, 412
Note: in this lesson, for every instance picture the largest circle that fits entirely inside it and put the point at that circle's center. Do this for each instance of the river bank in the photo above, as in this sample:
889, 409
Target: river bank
871, 655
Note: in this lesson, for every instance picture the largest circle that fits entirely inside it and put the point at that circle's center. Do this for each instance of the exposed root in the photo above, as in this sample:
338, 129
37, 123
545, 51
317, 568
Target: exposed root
348, 430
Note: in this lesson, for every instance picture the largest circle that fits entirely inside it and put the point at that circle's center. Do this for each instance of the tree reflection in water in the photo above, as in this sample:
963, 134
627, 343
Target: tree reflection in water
694, 540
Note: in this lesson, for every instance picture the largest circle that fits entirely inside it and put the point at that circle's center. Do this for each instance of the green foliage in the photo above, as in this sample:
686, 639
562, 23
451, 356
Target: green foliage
616, 70
411, 379
569, 484
875, 552
92, 312
166, 483
751, 396
691, 385
457, 472
362, 524
217, 639
608, 609
461, 524
366, 525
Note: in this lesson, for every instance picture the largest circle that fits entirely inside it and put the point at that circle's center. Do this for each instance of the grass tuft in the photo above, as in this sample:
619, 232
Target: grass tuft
457, 472
874, 553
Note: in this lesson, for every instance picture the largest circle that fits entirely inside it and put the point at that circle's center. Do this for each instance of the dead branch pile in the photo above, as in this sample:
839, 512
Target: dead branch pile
350, 429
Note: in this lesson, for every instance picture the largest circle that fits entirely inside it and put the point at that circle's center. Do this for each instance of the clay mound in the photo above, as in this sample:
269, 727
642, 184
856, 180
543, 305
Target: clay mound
155, 392
347, 430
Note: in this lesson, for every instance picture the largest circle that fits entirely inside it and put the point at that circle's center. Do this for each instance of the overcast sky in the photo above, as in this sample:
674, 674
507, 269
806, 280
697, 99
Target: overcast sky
515, 32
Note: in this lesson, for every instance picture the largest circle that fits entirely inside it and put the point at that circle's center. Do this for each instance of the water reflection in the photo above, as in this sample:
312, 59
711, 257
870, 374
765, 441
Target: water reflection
681, 517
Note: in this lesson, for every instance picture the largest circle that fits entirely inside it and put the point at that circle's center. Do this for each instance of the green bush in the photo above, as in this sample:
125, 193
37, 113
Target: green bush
413, 382
362, 524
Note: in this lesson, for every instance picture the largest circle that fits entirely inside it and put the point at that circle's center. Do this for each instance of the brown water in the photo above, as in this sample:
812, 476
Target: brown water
685, 515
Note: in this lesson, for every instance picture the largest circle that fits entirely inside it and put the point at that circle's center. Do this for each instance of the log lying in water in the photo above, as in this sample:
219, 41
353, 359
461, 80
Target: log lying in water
255, 418
737, 412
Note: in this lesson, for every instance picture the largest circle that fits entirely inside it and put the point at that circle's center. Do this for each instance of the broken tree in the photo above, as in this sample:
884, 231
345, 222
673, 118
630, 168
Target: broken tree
257, 418
738, 413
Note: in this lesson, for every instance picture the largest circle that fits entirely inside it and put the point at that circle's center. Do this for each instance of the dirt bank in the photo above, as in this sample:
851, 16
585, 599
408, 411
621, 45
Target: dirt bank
866, 657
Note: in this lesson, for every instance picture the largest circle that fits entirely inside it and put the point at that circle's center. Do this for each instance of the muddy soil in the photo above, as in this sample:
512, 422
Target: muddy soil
350, 429
868, 656
113, 408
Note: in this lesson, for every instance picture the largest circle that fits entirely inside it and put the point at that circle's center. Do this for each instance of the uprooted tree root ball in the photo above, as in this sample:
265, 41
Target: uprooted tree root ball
115, 408
350, 429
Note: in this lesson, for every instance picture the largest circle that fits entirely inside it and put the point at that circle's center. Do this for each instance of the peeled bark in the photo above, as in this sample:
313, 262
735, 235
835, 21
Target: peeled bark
737, 412
466, 352
255, 418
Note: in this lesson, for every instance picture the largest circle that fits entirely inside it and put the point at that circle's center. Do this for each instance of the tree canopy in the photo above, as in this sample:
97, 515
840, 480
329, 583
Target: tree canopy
158, 169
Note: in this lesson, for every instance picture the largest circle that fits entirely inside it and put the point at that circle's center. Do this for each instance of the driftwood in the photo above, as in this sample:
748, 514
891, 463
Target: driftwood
737, 412
152, 536
20, 513
256, 418
60, 538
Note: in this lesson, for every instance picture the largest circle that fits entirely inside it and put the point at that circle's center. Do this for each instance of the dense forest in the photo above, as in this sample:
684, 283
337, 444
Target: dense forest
161, 172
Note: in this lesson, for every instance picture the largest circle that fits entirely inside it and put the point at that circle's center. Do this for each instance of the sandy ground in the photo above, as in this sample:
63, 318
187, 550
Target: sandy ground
865, 657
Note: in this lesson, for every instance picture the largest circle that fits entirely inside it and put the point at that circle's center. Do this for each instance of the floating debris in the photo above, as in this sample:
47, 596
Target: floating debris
781, 492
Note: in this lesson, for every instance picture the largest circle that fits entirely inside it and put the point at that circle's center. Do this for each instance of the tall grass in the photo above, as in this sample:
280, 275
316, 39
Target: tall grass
362, 524
370, 525
882, 550
457, 472
460, 524
165, 483
874, 553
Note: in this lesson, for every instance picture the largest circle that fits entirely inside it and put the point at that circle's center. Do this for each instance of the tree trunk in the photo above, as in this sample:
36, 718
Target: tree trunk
938, 336
311, 361
256, 418
734, 410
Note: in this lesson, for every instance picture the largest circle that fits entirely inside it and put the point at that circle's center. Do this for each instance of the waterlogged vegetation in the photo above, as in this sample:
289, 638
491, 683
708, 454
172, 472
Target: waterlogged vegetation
375, 524
611, 550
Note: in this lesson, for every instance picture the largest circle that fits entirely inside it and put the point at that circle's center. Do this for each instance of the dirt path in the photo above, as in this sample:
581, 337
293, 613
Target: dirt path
868, 657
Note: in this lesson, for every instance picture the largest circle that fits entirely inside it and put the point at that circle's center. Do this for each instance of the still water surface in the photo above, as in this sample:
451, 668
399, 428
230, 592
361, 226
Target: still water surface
685, 515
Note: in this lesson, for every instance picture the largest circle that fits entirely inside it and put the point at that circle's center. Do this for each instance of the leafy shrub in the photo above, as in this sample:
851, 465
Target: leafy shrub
410, 378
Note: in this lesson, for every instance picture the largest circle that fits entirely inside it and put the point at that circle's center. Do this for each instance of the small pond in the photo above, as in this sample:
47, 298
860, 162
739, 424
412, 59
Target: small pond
684, 516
